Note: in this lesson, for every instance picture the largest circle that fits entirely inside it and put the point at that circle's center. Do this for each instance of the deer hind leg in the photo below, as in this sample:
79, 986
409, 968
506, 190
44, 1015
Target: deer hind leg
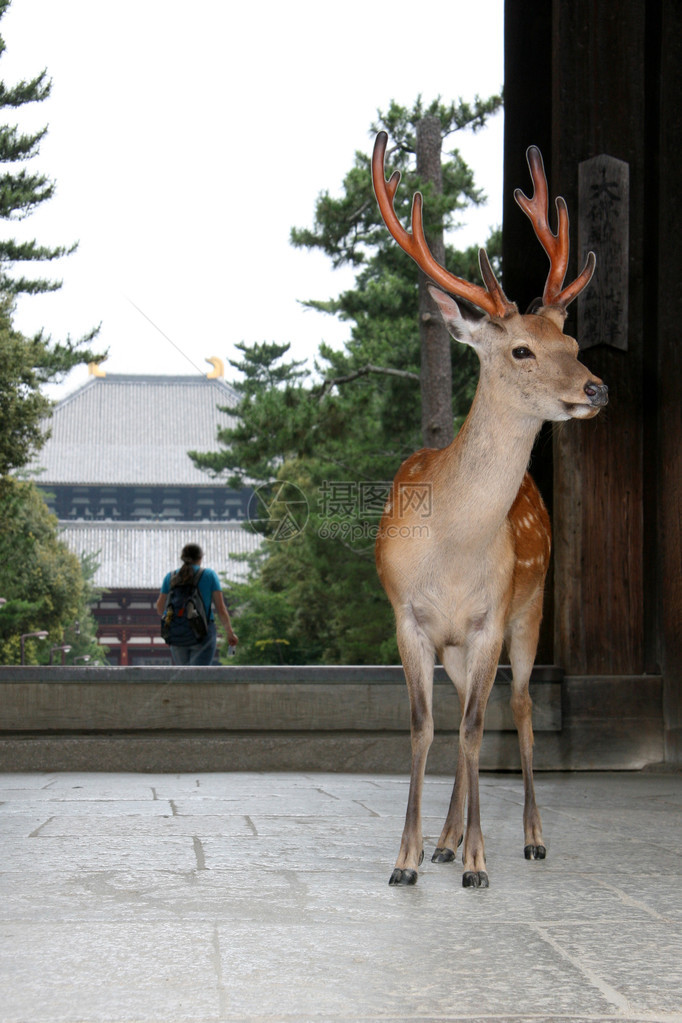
417, 654
451, 836
482, 666
522, 640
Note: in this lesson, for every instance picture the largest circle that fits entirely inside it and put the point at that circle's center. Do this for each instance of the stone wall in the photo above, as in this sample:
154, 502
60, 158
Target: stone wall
305, 718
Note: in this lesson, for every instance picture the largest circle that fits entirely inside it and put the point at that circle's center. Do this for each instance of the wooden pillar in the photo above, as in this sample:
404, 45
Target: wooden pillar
527, 122
665, 253
598, 107
606, 77
123, 655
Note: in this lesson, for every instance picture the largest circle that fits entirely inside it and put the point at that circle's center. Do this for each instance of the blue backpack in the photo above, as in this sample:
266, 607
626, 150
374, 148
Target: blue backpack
185, 621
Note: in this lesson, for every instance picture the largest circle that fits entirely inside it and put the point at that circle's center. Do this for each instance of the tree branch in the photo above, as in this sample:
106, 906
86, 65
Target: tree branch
335, 381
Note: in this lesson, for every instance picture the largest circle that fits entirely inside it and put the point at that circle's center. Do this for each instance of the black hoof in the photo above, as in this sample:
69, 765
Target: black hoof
444, 855
403, 877
475, 879
535, 852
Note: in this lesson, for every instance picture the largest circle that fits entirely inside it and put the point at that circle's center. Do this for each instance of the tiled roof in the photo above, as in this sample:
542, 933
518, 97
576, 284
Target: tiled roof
137, 555
134, 430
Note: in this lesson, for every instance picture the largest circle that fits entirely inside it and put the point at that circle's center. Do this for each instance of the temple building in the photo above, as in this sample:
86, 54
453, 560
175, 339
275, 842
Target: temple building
117, 473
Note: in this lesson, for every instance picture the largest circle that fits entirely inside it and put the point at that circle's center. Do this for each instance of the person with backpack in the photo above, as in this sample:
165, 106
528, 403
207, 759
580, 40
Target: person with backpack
186, 604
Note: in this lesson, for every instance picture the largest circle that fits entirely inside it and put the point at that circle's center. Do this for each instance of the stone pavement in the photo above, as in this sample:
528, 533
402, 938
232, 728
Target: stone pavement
261, 897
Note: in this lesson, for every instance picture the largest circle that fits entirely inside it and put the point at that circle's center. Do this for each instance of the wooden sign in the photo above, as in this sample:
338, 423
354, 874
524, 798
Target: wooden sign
603, 227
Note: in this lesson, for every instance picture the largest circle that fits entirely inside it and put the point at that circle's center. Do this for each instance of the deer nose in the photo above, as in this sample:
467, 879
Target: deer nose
597, 393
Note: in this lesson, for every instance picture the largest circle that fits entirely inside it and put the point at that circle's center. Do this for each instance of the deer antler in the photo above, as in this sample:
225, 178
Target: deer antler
555, 245
491, 298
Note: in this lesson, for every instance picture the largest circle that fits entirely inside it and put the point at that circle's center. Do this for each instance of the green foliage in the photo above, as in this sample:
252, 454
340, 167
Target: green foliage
21, 191
271, 393
301, 603
315, 598
340, 437
22, 405
25, 365
350, 229
382, 307
44, 584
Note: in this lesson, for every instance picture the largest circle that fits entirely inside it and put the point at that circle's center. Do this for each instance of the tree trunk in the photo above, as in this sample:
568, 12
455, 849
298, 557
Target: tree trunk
436, 364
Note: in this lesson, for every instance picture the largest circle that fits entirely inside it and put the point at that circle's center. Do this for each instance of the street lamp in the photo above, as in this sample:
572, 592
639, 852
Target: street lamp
64, 649
83, 657
31, 635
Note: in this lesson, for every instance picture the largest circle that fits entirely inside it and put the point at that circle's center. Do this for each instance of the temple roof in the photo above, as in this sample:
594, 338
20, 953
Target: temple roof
137, 555
124, 429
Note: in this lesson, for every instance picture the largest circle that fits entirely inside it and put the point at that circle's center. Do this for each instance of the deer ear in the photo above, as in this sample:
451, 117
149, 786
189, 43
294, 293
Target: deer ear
555, 313
452, 318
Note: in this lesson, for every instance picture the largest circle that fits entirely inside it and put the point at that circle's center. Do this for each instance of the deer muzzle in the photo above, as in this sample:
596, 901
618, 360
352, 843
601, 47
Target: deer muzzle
597, 393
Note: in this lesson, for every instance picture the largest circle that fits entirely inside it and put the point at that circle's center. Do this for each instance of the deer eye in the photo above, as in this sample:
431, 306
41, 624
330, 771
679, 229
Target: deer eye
521, 352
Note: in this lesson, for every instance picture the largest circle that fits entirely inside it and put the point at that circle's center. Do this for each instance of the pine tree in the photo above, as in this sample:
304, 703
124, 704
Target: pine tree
26, 364
45, 585
315, 597
386, 306
21, 190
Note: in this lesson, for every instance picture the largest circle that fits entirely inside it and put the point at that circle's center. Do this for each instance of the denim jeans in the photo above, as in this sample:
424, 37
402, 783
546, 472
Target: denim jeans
199, 653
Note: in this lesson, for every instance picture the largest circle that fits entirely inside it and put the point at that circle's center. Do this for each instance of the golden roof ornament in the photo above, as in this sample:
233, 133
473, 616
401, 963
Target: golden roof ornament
218, 371
95, 370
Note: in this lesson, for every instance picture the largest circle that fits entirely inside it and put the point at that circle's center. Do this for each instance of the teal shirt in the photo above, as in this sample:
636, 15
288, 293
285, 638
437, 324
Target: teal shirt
208, 584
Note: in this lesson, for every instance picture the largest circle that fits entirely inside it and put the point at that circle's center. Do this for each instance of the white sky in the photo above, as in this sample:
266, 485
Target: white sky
187, 139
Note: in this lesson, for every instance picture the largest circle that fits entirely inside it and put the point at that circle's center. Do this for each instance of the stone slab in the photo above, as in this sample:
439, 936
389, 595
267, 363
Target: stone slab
258, 897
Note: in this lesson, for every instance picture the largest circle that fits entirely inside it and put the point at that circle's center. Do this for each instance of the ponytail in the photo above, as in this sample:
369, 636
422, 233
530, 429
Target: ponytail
190, 556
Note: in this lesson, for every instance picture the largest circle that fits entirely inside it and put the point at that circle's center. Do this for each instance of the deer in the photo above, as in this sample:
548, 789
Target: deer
473, 579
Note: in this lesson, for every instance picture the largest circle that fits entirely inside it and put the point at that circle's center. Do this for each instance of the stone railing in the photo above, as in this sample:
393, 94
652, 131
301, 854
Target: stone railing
339, 718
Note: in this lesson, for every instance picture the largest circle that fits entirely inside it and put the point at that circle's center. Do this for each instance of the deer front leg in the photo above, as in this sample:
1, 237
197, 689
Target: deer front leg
480, 682
417, 658
522, 640
452, 834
